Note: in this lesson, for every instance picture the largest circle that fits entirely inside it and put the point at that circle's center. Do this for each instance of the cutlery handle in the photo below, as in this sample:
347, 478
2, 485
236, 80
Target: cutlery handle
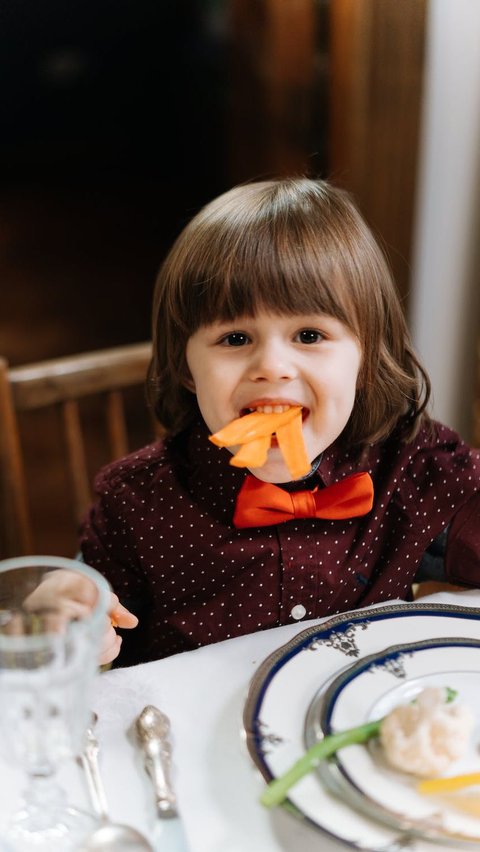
89, 761
157, 763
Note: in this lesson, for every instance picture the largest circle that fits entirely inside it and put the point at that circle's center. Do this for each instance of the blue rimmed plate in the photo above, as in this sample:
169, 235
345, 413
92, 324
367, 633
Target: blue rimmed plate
368, 690
298, 673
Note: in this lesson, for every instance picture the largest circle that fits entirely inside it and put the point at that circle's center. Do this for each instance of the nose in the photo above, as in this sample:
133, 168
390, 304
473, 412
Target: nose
271, 362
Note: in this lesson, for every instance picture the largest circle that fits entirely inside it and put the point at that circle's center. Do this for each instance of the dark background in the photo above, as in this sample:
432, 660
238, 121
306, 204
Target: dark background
120, 118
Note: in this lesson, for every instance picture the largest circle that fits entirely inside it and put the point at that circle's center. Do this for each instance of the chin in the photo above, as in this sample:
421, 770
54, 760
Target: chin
275, 472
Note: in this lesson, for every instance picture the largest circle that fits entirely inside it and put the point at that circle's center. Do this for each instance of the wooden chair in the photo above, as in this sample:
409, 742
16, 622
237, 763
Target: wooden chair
63, 385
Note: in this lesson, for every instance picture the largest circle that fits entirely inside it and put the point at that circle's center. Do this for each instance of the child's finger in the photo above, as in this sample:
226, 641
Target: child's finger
120, 616
110, 646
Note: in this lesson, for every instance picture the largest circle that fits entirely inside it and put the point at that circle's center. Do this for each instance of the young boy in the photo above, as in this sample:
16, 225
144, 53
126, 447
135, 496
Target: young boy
277, 295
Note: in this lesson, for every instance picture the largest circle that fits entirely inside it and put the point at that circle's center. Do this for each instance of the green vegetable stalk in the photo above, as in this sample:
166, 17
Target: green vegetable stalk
275, 792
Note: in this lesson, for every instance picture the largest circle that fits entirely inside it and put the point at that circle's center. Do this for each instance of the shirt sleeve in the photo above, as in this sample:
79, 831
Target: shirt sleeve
462, 561
106, 545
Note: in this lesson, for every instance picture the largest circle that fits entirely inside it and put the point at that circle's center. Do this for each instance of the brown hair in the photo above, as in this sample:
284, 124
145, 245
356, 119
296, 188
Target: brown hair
293, 246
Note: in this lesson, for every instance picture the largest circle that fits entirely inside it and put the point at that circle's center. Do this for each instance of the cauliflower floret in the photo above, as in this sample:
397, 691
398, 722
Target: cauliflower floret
424, 737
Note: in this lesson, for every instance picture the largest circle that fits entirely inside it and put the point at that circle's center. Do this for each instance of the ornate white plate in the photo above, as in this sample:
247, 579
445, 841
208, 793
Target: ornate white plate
371, 688
289, 680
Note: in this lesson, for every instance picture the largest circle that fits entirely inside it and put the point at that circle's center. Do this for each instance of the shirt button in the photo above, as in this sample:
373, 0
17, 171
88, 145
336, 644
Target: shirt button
298, 611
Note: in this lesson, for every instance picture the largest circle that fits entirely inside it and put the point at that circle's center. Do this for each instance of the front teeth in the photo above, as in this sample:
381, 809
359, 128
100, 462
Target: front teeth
271, 409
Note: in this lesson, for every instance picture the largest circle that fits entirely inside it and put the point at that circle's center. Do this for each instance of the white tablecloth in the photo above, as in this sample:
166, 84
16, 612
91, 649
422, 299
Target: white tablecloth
203, 692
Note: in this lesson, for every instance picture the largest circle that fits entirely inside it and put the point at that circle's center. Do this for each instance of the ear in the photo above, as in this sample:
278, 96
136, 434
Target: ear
188, 382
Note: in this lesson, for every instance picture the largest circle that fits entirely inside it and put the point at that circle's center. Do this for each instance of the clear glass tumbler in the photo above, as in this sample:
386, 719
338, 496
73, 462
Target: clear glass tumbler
52, 615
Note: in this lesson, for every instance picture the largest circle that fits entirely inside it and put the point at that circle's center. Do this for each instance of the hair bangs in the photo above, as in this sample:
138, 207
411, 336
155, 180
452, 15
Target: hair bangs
270, 269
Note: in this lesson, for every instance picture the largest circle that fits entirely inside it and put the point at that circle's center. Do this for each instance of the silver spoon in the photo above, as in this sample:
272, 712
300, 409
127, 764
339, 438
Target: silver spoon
153, 729
109, 836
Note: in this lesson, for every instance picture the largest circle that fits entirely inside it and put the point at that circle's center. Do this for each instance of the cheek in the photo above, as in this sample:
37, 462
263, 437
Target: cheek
200, 383
353, 390
345, 384
187, 379
185, 376
352, 372
191, 371
361, 374
359, 365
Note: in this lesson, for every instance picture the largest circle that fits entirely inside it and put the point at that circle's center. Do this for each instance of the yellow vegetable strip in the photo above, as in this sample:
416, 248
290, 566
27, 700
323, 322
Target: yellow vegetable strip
252, 426
292, 447
447, 785
253, 453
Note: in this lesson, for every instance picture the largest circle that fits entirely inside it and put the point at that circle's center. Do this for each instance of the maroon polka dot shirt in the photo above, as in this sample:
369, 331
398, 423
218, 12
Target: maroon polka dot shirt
161, 532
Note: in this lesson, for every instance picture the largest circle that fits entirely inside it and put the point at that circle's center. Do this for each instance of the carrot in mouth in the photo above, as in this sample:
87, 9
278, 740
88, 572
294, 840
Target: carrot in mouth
292, 447
254, 433
253, 453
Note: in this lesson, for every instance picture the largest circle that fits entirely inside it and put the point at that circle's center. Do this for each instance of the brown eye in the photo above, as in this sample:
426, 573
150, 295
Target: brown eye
236, 338
310, 335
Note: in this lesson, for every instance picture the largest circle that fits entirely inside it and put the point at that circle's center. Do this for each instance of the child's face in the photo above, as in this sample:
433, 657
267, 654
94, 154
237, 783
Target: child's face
266, 360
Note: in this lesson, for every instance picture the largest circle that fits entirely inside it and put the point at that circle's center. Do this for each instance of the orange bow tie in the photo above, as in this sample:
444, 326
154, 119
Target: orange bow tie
260, 504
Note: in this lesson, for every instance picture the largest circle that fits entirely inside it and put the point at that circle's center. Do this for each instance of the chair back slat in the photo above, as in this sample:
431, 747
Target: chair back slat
116, 425
48, 382
62, 384
77, 459
15, 531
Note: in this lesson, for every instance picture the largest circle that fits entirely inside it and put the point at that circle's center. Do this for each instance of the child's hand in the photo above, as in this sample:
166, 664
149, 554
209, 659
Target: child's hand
74, 595
119, 616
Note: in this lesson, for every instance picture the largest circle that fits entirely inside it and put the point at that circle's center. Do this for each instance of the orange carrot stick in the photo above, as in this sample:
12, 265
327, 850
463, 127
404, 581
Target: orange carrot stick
253, 433
253, 453
292, 447
252, 426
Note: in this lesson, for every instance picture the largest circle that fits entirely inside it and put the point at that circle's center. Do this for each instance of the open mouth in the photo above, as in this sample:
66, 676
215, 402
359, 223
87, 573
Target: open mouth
274, 408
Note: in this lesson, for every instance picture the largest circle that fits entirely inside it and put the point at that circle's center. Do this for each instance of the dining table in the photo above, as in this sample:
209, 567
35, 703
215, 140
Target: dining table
218, 785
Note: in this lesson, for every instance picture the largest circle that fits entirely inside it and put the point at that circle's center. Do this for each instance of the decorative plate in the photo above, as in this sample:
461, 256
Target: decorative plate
368, 690
289, 680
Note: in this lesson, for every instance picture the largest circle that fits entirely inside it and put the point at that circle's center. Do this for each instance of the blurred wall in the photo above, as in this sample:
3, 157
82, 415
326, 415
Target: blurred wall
445, 287
376, 81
